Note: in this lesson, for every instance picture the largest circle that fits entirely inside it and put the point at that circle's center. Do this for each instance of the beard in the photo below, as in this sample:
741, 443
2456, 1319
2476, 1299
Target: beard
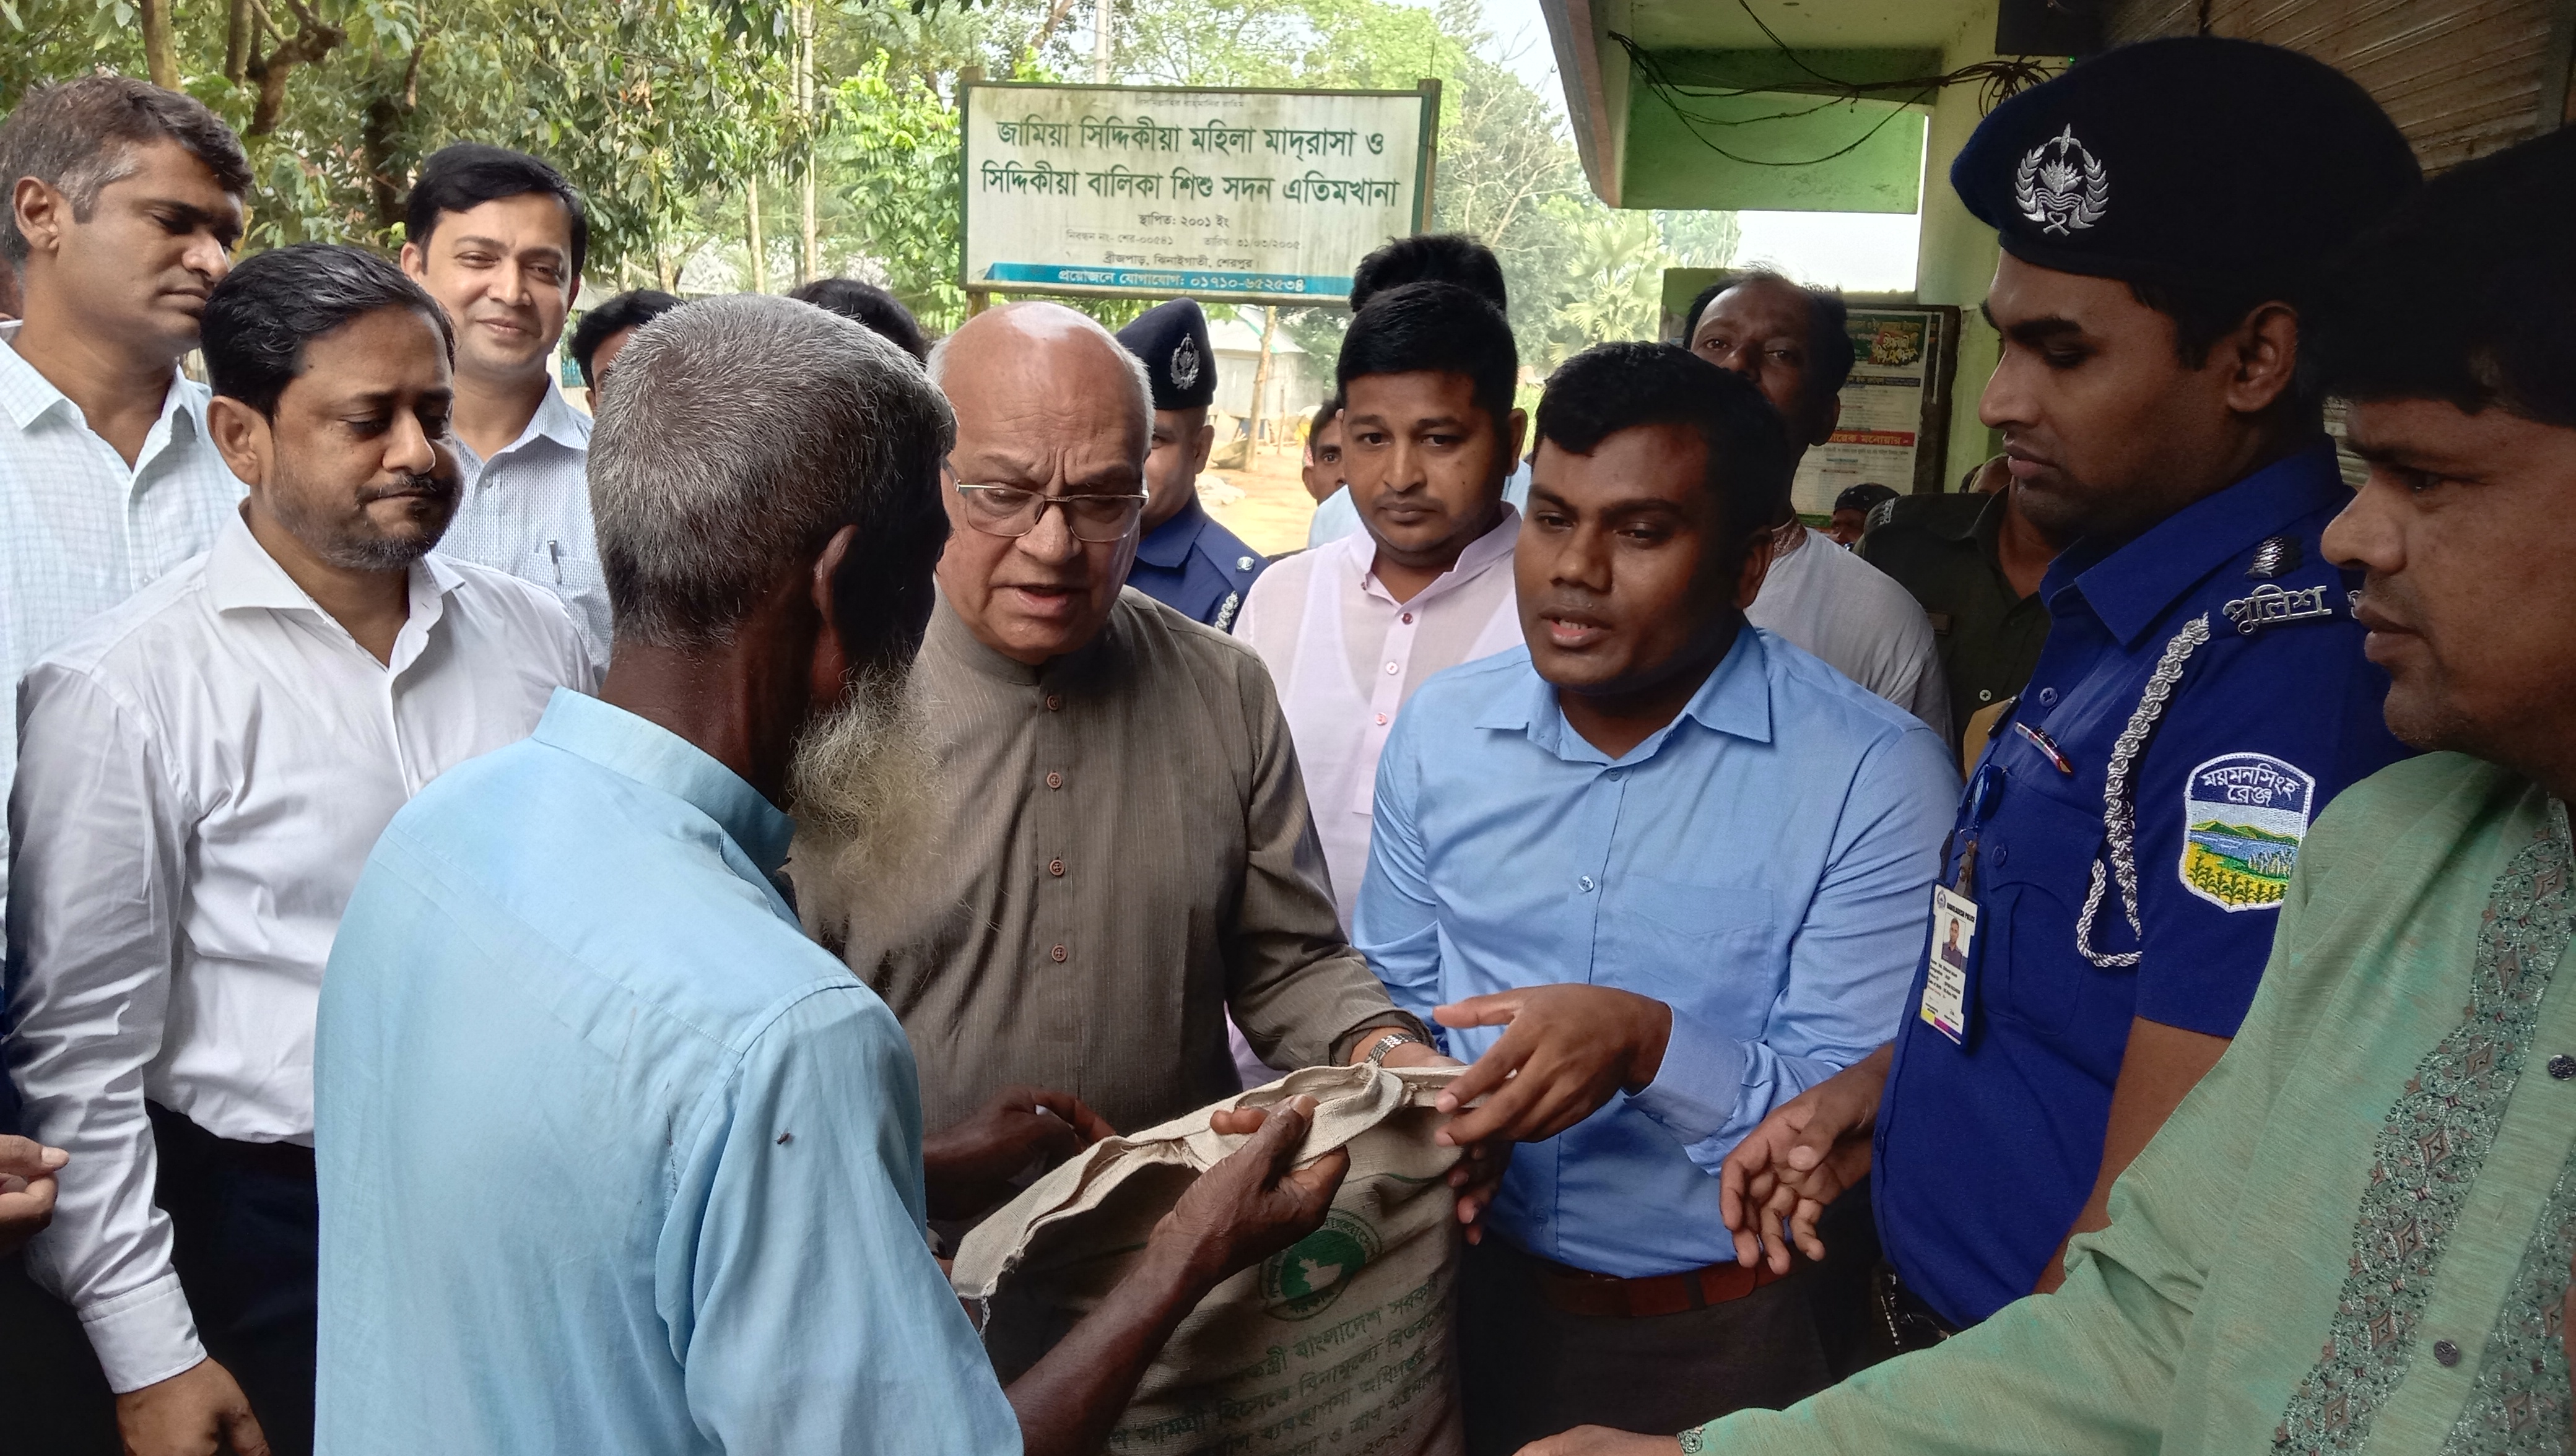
865, 790
352, 539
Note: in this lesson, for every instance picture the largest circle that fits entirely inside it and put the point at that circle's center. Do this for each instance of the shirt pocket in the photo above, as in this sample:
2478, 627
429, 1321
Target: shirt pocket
1704, 949
2035, 876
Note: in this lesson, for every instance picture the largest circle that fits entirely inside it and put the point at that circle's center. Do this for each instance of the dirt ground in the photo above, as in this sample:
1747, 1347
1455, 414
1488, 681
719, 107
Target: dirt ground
1267, 505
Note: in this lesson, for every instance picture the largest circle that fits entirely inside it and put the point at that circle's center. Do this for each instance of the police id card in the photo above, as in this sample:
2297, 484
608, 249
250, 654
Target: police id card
1945, 983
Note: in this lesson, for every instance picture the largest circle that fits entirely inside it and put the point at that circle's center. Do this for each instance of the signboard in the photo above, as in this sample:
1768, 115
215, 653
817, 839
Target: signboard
1256, 196
1895, 409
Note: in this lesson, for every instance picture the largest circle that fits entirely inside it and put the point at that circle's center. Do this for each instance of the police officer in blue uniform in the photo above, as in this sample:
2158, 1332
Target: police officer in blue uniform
1184, 560
2109, 889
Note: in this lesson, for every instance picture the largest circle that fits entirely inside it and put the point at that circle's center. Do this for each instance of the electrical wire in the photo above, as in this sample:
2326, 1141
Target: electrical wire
1995, 81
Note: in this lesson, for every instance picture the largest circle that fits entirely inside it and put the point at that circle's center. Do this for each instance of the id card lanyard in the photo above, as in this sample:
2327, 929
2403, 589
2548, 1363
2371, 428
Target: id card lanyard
1954, 919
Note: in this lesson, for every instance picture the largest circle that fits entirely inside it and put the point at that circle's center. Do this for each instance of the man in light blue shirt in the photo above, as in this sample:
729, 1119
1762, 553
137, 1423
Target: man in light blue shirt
611, 1156
1669, 871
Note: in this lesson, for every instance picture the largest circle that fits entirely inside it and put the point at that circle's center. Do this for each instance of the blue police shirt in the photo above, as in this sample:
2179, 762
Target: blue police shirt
1196, 567
1986, 1151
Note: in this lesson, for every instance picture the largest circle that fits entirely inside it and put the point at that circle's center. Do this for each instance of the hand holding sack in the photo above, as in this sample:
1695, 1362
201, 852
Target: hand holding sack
1339, 1343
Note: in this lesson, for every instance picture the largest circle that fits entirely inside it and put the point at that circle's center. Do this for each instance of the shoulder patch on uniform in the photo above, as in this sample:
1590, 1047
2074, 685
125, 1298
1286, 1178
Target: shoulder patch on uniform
2244, 816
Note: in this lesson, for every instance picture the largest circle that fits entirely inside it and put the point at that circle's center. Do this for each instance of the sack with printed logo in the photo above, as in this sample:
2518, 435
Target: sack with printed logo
1339, 1344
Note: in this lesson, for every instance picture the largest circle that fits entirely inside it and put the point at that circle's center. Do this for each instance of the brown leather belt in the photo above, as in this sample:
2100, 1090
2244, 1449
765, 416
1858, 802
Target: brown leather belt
1605, 1296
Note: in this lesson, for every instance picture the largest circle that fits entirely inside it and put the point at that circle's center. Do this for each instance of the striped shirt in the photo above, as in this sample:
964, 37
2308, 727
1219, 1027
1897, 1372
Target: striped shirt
81, 530
526, 511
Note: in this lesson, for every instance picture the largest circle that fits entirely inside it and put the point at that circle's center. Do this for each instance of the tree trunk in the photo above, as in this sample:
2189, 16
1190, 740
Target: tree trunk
757, 245
1103, 40
237, 38
160, 59
809, 258
1260, 386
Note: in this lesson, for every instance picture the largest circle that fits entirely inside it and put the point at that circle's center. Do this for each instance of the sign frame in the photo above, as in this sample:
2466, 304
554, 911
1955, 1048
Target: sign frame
1426, 166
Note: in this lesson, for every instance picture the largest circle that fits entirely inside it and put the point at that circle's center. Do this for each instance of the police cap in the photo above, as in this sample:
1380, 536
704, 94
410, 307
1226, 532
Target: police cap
2188, 160
1172, 339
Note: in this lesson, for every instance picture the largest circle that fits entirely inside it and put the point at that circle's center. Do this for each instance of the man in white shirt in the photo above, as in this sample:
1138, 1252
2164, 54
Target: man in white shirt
498, 238
207, 767
1792, 343
124, 204
1351, 628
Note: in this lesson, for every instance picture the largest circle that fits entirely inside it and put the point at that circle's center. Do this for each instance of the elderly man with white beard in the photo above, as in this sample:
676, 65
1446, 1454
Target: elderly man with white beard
612, 1157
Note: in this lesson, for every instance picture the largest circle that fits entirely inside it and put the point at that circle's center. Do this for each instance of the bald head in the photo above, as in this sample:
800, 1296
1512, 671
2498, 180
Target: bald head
1050, 404
1044, 351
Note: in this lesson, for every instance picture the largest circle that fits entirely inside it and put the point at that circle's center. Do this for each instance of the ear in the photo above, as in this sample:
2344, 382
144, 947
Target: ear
1757, 565
41, 214
832, 655
415, 262
2262, 358
1517, 426
590, 396
1199, 451
244, 438
1830, 416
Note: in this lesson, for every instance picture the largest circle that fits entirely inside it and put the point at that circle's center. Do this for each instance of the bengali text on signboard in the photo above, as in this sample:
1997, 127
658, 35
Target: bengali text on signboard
1260, 195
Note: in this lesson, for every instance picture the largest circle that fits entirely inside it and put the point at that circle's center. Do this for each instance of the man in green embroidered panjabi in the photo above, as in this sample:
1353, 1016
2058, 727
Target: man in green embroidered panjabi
2355, 1234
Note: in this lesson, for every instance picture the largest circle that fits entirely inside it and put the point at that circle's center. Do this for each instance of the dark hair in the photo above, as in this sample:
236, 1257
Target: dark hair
1829, 347
1325, 413
2485, 295
260, 318
464, 176
1613, 387
78, 136
1432, 258
625, 311
870, 305
1441, 328
1866, 496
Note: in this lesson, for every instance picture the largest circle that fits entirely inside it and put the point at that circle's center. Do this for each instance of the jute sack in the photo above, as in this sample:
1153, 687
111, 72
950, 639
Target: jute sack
1340, 1344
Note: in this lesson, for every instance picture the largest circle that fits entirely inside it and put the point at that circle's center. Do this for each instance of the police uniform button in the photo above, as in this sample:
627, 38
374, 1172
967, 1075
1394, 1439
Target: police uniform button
1243, 563
2447, 1353
2047, 697
1985, 695
2562, 1067
2277, 554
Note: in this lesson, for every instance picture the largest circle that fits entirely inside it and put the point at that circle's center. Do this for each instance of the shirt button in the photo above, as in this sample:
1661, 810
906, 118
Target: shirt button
1407, 619
1391, 669
2562, 1067
1985, 695
1381, 720
2047, 696
1055, 781
2447, 1353
1056, 955
1585, 884
1056, 867
1054, 701
1613, 775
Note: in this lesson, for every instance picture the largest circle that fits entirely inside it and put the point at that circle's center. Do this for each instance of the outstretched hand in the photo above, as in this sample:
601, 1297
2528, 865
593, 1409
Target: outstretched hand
1776, 1184
968, 1168
1564, 1051
1254, 1203
1602, 1441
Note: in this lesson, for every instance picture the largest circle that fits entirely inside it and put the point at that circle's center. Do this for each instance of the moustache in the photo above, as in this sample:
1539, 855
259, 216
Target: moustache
421, 486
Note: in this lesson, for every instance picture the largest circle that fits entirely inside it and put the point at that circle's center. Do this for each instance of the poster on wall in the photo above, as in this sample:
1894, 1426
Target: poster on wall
1893, 409
1254, 196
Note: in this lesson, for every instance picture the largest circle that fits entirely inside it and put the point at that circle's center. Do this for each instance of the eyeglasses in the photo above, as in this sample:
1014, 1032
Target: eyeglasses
1008, 510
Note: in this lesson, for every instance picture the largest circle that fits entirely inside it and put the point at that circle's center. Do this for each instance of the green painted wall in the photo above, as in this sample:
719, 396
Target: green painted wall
1672, 160
1955, 259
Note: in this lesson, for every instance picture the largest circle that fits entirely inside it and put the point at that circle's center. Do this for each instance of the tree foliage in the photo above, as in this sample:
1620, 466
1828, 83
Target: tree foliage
676, 117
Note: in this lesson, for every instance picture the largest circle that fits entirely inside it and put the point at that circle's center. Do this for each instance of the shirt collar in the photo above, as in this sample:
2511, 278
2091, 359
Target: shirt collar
949, 635
241, 574
658, 758
2134, 584
1734, 700
1168, 545
1472, 562
27, 396
554, 420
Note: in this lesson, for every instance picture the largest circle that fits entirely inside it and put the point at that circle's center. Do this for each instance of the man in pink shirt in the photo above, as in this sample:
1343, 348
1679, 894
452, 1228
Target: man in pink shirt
1351, 628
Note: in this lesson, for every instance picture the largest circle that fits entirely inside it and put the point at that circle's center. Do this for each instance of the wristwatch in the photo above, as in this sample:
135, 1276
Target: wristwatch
1389, 1042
